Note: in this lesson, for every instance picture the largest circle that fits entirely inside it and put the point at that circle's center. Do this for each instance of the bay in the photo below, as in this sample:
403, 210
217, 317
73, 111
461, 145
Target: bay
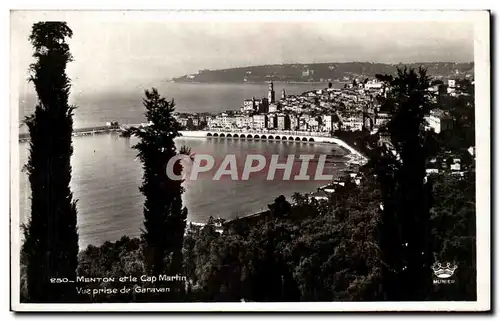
107, 174
125, 106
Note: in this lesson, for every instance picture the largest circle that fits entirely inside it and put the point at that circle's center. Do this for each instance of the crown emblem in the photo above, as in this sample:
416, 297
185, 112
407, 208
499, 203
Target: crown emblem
443, 271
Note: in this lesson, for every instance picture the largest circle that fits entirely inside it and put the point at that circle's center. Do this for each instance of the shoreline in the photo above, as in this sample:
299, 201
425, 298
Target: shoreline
23, 138
343, 145
316, 139
259, 82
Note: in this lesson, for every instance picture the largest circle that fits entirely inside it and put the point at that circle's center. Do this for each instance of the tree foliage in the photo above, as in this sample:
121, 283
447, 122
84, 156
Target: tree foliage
367, 242
320, 251
164, 215
323, 251
51, 241
404, 240
453, 220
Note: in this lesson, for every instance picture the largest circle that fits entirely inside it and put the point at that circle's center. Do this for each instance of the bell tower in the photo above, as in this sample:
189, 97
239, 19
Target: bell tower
270, 94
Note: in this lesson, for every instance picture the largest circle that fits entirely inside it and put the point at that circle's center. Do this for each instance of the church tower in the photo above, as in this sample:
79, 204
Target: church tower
270, 94
283, 94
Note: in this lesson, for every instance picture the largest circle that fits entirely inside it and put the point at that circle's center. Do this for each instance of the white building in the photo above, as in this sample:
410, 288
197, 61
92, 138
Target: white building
303, 122
374, 84
244, 121
271, 121
382, 119
438, 121
259, 121
327, 123
313, 124
352, 122
227, 121
248, 105
294, 122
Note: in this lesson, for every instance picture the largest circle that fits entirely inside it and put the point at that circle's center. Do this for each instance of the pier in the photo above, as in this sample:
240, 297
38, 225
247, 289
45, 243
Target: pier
81, 131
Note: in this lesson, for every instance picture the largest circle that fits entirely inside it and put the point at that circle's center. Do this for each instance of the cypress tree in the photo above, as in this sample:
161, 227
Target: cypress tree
50, 237
164, 215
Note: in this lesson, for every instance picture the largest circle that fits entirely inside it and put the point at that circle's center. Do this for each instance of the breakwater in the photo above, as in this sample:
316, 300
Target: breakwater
81, 132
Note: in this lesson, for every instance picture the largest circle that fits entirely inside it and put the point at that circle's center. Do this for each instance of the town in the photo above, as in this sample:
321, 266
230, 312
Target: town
322, 111
331, 112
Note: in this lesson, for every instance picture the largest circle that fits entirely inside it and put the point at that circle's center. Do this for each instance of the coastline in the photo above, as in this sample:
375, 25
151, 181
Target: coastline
247, 215
317, 140
258, 82
100, 130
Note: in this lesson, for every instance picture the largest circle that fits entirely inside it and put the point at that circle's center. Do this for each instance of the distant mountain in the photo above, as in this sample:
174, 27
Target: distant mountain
319, 72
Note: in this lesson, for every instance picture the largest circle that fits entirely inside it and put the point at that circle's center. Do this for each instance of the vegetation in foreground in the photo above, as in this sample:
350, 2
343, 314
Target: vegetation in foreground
315, 251
375, 241
50, 245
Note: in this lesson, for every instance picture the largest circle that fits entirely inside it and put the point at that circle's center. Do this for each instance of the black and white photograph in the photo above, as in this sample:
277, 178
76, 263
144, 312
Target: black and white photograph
250, 160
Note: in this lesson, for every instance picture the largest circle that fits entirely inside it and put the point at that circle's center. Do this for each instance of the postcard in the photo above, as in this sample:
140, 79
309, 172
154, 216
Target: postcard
192, 160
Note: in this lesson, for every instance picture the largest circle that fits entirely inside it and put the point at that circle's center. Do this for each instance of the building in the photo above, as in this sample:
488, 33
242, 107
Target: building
270, 94
273, 108
304, 122
451, 87
283, 122
259, 121
244, 121
294, 122
213, 122
227, 121
272, 121
439, 121
249, 105
352, 122
381, 119
374, 84
182, 121
313, 124
327, 123
308, 73
283, 94
263, 106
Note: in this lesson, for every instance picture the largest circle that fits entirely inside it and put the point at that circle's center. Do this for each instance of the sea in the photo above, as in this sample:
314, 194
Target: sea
107, 173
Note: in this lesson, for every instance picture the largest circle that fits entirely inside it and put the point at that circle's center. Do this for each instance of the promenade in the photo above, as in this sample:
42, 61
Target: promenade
298, 136
264, 134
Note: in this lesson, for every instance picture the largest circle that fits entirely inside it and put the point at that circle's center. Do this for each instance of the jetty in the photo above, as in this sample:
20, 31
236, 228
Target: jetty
23, 137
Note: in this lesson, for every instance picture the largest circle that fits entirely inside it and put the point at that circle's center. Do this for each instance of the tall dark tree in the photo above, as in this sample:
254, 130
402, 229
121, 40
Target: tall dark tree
404, 230
51, 241
164, 215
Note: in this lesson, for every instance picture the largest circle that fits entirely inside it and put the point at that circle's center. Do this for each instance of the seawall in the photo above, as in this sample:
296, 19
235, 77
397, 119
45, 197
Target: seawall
297, 137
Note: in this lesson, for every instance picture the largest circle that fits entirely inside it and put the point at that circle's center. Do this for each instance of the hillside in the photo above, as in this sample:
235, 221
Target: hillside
320, 72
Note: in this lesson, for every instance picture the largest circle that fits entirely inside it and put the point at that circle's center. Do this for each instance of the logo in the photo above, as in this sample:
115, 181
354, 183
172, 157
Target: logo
443, 272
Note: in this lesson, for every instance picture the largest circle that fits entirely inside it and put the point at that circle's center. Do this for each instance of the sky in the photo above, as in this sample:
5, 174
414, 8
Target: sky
120, 52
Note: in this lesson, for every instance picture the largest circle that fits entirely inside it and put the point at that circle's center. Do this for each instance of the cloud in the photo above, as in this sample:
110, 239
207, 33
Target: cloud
119, 54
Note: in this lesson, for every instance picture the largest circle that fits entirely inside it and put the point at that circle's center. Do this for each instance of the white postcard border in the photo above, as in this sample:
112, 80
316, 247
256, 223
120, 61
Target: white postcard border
482, 101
